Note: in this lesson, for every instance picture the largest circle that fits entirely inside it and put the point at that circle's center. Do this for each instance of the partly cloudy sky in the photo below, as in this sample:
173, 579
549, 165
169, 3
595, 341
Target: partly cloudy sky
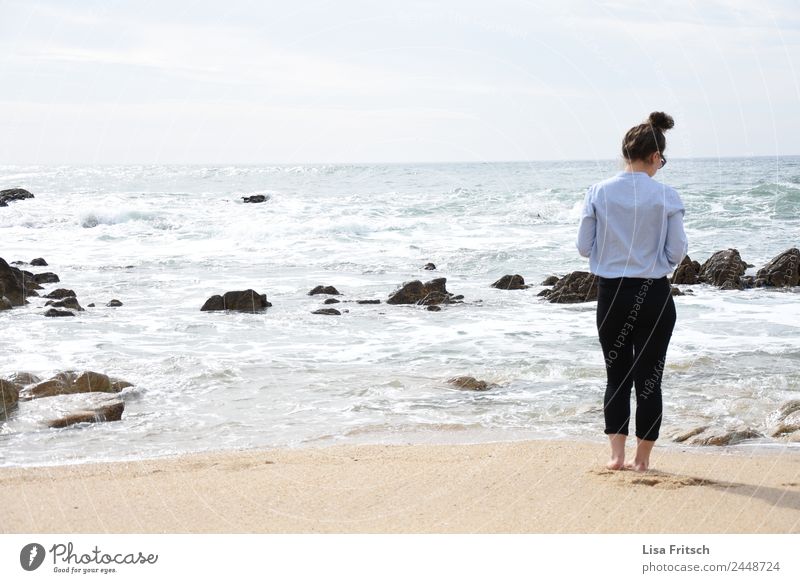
346, 81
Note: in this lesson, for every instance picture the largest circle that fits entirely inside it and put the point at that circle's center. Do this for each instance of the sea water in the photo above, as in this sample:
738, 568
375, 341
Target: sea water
162, 239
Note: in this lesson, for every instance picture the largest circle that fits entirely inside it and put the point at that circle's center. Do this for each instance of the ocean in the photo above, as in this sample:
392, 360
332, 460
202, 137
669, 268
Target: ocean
162, 239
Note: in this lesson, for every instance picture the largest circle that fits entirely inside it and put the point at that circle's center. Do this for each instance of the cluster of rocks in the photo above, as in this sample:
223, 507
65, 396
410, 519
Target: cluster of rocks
783, 424
430, 294
16, 285
12, 194
66, 399
725, 269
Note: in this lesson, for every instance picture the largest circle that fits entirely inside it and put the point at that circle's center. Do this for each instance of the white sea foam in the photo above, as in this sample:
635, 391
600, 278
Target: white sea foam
163, 239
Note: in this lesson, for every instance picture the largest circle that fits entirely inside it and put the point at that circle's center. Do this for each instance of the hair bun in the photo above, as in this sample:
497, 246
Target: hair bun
660, 120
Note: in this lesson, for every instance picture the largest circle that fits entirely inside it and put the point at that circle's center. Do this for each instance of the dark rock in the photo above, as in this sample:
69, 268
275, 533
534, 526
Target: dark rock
118, 384
723, 269
682, 435
241, 301
469, 383
69, 302
29, 279
786, 425
255, 198
12, 194
60, 294
331, 301
24, 378
114, 304
550, 280
459, 297
368, 301
416, 292
687, 272
788, 407
70, 382
5, 303
434, 309
90, 305
39, 262
782, 270
46, 277
677, 292
12, 284
324, 289
575, 287
84, 409
53, 313
510, 282
327, 312
429, 266
724, 436
9, 395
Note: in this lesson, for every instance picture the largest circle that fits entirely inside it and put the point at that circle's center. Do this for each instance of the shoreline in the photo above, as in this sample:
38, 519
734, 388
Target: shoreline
534, 486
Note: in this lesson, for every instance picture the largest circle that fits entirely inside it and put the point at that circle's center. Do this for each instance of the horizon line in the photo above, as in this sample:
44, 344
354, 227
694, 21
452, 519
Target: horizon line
384, 163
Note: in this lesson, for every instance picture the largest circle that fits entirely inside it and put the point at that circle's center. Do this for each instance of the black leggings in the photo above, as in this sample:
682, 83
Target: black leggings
635, 318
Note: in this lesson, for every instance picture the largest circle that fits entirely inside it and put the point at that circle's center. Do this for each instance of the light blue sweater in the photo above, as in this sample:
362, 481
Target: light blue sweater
632, 226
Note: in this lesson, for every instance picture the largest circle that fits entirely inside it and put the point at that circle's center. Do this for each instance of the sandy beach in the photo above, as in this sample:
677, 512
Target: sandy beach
506, 487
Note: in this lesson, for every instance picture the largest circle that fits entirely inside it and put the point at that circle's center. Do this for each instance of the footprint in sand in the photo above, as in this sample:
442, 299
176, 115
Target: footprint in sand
653, 478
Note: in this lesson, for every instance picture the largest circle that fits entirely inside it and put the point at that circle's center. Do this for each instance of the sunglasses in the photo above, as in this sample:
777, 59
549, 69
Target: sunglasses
663, 161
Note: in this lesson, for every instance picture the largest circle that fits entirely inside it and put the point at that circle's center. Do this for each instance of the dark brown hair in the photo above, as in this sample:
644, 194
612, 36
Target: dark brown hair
643, 140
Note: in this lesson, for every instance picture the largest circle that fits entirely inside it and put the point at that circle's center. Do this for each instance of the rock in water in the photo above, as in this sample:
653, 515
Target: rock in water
5, 303
550, 280
66, 410
24, 378
510, 282
9, 396
12, 284
69, 302
46, 277
60, 294
429, 266
39, 262
324, 289
723, 269
69, 383
11, 194
241, 301
575, 287
469, 383
327, 312
53, 313
781, 271
687, 272
255, 198
114, 304
719, 436
416, 292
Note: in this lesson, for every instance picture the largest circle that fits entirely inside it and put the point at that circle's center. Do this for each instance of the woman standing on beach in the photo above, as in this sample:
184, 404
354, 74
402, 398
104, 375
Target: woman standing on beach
631, 230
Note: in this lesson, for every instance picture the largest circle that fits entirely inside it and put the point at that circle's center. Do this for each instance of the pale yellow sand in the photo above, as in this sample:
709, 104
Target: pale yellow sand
532, 486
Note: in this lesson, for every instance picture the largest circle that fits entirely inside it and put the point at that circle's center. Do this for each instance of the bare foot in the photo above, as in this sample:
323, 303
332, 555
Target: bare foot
616, 463
641, 462
617, 441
